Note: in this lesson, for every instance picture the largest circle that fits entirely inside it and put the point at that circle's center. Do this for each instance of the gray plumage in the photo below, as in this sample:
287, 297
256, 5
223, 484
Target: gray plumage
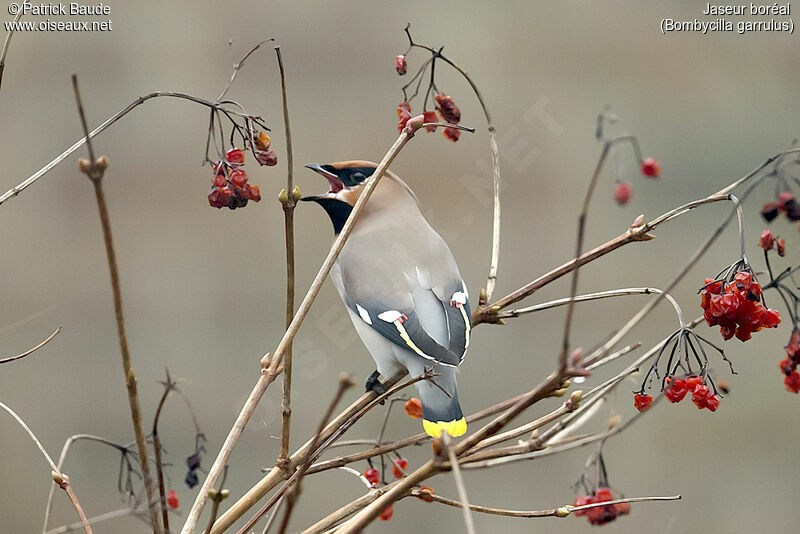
402, 288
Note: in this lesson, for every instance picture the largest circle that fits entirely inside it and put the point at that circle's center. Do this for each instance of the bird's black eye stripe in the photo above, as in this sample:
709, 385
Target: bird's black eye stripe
355, 175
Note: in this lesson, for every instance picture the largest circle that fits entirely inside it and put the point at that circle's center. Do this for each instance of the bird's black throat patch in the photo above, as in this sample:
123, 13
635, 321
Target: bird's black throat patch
337, 210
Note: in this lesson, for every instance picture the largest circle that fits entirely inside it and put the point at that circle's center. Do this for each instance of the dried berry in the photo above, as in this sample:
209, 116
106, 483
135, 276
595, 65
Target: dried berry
262, 141
372, 475
767, 240
429, 116
399, 466
452, 134
266, 157
386, 514
780, 246
447, 109
675, 389
235, 156
400, 65
792, 382
642, 401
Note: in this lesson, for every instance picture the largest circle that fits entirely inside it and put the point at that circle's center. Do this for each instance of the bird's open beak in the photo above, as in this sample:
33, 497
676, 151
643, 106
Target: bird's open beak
334, 181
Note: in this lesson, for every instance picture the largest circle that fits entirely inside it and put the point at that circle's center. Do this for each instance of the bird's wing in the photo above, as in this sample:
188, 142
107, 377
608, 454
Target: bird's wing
435, 326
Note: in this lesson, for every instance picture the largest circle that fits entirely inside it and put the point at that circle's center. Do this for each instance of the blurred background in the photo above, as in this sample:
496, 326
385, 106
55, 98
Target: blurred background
203, 288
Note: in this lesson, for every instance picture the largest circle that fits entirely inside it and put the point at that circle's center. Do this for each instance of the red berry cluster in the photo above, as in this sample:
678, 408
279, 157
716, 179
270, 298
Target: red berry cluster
230, 188
677, 388
736, 306
785, 204
789, 365
600, 515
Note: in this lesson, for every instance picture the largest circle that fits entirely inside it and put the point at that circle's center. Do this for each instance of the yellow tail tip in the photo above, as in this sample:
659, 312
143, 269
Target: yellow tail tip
455, 427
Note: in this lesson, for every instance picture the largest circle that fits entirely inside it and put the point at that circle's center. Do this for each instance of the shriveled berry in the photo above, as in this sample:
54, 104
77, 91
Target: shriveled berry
255, 192
581, 500
780, 246
452, 134
700, 396
792, 382
447, 109
413, 407
769, 211
712, 403
386, 514
399, 466
262, 141
372, 475
238, 177
400, 64
675, 389
767, 240
235, 156
642, 401
429, 116
623, 508
622, 193
651, 167
693, 381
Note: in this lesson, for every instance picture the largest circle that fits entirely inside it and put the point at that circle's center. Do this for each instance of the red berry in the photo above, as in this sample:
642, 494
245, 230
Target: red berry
235, 156
676, 389
603, 494
413, 407
780, 245
403, 106
255, 192
693, 381
404, 115
399, 467
623, 508
400, 65
622, 193
712, 403
642, 401
651, 167
238, 177
767, 240
581, 500
219, 180
700, 396
447, 109
386, 514
372, 475
452, 134
792, 382
172, 499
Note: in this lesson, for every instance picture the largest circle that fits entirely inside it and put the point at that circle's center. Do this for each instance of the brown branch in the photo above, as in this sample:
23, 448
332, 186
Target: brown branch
345, 382
288, 198
237, 67
32, 350
169, 385
95, 169
269, 368
6, 44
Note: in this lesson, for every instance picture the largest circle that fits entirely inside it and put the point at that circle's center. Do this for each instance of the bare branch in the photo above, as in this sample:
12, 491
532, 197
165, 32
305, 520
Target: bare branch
34, 349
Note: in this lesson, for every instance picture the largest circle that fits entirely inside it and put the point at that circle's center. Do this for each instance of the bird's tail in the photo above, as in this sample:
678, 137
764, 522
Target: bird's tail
441, 411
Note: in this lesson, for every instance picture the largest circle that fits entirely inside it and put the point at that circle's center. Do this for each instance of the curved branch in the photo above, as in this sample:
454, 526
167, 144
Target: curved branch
34, 349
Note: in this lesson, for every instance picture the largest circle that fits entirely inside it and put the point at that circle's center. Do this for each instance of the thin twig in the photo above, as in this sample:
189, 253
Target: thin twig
114, 514
16, 190
34, 349
288, 201
95, 171
237, 67
460, 487
58, 477
216, 498
7, 42
169, 385
563, 511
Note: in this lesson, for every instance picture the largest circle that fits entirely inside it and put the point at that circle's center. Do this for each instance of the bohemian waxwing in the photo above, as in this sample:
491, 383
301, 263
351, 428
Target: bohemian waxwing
401, 287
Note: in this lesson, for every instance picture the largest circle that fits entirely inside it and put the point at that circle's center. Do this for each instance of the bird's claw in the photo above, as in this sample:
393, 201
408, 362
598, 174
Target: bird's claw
373, 384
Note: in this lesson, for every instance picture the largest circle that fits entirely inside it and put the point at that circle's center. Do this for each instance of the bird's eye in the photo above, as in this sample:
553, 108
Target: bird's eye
358, 176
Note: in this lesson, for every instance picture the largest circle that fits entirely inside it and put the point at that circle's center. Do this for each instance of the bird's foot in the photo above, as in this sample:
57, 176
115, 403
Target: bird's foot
373, 384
